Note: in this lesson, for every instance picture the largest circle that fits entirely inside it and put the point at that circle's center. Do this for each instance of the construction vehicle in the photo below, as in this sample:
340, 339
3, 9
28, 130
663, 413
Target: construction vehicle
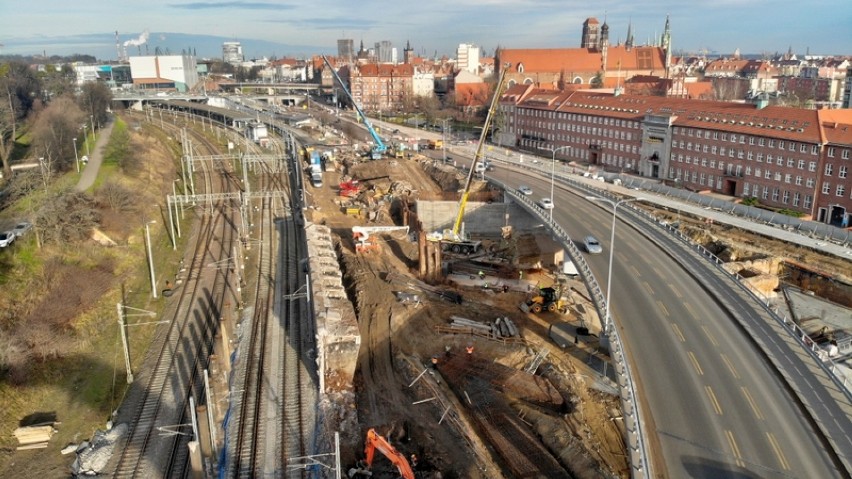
455, 239
351, 188
374, 442
363, 240
547, 299
379, 147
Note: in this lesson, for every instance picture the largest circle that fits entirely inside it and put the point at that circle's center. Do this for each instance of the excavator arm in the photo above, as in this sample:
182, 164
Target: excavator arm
374, 442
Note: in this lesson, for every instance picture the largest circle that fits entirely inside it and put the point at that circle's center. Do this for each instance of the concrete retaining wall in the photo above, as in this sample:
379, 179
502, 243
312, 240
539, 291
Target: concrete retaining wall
479, 218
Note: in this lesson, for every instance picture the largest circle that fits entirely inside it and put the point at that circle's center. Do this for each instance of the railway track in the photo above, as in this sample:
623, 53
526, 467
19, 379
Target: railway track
156, 443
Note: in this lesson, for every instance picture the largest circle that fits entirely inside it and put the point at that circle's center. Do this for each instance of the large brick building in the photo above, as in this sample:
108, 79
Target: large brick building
380, 87
787, 158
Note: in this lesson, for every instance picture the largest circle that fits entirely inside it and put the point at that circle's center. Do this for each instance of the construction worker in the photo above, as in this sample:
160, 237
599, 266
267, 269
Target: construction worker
481, 274
469, 350
434, 362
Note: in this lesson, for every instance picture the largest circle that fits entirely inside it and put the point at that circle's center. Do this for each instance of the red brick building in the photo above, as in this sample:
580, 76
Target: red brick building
787, 158
379, 87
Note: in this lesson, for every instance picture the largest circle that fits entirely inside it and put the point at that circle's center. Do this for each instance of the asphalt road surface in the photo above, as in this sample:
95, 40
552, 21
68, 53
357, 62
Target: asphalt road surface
713, 407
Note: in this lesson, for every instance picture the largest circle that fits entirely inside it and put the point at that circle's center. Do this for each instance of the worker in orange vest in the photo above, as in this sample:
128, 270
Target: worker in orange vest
434, 362
469, 349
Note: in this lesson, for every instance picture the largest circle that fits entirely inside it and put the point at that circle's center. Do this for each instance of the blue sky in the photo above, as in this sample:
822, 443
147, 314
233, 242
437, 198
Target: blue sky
294, 27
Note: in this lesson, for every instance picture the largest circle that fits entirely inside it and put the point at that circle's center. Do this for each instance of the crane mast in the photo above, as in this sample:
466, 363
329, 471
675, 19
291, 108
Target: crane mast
380, 148
478, 155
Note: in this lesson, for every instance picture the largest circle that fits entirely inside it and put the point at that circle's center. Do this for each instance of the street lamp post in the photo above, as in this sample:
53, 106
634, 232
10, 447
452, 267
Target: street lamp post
150, 259
553, 173
86, 133
615, 205
76, 159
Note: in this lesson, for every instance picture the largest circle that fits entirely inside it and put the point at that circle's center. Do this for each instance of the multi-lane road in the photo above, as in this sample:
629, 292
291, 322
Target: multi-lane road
714, 406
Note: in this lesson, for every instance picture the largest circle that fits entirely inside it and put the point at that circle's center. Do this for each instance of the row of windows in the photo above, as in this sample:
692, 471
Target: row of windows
764, 193
844, 153
760, 141
840, 189
576, 117
780, 161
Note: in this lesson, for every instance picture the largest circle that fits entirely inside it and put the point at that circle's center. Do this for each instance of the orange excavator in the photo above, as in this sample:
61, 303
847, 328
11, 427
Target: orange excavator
374, 441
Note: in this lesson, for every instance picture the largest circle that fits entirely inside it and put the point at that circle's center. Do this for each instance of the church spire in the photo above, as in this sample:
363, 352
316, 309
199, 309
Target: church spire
628, 44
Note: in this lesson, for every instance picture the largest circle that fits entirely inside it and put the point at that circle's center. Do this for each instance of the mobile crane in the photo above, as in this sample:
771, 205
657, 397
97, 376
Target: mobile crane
454, 239
375, 441
379, 149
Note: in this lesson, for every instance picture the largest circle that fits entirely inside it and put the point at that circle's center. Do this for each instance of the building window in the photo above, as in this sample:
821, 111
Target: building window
769, 159
814, 149
788, 177
796, 199
761, 141
808, 201
845, 154
798, 180
790, 162
826, 187
704, 162
809, 183
740, 154
760, 157
829, 169
701, 179
812, 166
748, 171
841, 172
715, 135
777, 176
831, 152
751, 140
772, 143
786, 197
731, 152
765, 193
803, 148
841, 190
767, 174
746, 189
780, 144
801, 165
792, 146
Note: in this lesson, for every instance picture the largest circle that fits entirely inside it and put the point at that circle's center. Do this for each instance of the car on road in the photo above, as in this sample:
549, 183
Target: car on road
22, 228
546, 203
6, 238
525, 190
592, 245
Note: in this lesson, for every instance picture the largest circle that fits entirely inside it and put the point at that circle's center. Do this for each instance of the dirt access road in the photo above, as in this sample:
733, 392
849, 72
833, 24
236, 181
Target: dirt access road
428, 419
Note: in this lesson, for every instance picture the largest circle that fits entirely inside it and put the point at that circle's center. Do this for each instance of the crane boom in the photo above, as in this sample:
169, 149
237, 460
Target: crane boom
374, 441
478, 155
380, 148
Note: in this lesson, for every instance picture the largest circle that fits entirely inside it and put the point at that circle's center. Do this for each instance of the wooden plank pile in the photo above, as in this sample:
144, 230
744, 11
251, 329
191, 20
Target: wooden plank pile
34, 437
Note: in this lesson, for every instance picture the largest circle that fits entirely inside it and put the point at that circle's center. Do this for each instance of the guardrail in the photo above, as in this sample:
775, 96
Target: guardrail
627, 388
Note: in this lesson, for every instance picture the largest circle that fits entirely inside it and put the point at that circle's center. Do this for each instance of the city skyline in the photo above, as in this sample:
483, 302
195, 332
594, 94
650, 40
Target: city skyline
266, 28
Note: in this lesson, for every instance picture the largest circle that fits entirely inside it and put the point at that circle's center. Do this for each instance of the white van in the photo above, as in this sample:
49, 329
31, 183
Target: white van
479, 168
568, 268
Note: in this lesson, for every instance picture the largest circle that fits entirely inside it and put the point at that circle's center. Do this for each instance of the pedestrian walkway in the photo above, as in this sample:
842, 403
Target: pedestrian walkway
89, 172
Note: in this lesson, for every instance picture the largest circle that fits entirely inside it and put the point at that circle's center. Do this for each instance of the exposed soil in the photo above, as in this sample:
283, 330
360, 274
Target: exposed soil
399, 340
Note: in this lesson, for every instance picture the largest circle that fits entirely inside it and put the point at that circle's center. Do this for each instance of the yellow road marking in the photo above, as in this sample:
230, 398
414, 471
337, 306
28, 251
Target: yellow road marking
713, 400
695, 363
734, 448
648, 287
678, 333
778, 452
675, 291
730, 366
710, 336
662, 308
754, 407
691, 311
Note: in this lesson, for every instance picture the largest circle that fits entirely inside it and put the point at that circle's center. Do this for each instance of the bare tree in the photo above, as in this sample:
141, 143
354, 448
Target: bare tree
94, 100
53, 133
20, 90
117, 197
67, 217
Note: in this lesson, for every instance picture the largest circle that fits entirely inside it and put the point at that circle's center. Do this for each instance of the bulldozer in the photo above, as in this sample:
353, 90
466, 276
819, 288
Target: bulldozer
547, 299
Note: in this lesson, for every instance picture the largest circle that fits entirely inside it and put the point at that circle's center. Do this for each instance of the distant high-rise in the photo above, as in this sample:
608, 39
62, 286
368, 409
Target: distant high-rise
467, 58
346, 49
232, 52
384, 52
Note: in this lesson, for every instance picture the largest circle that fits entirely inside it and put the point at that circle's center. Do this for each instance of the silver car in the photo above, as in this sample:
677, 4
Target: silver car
6, 238
592, 245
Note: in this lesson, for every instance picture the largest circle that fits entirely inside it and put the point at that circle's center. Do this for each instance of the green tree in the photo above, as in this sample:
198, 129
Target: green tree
597, 81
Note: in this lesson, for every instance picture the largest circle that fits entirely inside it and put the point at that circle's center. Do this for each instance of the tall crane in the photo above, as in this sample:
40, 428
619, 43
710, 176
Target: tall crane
454, 239
379, 149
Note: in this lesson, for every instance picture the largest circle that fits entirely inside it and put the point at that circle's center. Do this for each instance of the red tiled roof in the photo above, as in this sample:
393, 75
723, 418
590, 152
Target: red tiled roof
779, 122
472, 94
385, 70
836, 125
584, 59
699, 90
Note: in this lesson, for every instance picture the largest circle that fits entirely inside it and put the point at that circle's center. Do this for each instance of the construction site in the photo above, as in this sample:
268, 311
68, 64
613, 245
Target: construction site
476, 357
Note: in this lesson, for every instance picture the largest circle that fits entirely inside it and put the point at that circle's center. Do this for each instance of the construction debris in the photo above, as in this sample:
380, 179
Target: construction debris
92, 457
503, 327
